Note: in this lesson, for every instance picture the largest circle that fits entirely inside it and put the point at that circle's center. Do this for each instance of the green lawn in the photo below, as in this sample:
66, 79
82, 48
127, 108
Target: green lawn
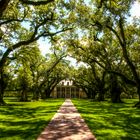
110, 121
25, 121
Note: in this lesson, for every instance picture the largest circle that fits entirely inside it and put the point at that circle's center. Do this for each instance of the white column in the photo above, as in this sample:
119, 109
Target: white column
65, 92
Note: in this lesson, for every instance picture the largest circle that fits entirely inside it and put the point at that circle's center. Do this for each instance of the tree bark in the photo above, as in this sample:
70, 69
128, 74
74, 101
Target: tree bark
2, 87
36, 94
101, 90
115, 95
123, 44
24, 96
93, 95
2, 102
101, 95
138, 103
115, 89
3, 6
47, 93
36, 3
87, 92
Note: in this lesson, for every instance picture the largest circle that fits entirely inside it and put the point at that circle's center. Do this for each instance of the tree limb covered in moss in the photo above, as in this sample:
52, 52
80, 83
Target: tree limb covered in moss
34, 37
123, 77
36, 3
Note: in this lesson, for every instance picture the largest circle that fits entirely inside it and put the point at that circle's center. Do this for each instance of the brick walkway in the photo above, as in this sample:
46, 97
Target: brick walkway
67, 124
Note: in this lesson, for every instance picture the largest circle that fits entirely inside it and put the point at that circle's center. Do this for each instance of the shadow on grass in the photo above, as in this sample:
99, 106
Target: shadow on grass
29, 133
111, 121
25, 121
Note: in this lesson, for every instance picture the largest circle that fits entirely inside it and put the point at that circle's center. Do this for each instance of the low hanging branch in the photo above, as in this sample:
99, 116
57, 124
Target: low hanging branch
123, 77
33, 38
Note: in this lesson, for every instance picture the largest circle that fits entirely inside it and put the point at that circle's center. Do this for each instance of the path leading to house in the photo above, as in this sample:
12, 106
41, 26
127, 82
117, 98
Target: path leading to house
67, 124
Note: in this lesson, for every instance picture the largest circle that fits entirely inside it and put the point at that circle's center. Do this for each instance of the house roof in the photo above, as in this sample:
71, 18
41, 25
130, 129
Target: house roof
66, 82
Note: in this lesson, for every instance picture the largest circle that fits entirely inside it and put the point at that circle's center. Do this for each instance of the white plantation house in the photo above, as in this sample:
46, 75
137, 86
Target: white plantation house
66, 89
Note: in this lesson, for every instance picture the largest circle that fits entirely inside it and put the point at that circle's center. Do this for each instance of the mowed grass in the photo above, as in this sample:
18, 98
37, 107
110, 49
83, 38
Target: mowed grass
26, 120
108, 121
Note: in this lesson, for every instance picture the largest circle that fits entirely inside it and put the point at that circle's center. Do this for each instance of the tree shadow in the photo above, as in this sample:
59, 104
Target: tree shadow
25, 122
111, 121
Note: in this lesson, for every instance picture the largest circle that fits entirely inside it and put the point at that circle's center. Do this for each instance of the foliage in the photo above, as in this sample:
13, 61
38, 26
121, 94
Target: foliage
104, 40
22, 24
97, 33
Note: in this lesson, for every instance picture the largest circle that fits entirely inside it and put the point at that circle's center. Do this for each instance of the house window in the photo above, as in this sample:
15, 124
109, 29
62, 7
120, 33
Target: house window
62, 83
67, 83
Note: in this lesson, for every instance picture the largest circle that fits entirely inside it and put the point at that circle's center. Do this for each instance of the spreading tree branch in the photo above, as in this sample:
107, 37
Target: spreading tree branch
123, 77
36, 3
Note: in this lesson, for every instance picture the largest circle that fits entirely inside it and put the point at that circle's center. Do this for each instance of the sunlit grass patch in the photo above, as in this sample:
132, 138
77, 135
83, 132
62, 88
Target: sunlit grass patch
25, 120
110, 121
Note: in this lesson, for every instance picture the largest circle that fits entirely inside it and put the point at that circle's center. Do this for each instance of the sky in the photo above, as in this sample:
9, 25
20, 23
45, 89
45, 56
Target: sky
135, 11
44, 45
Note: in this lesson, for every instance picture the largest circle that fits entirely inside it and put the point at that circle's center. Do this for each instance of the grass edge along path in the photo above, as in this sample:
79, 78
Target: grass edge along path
110, 121
26, 120
67, 124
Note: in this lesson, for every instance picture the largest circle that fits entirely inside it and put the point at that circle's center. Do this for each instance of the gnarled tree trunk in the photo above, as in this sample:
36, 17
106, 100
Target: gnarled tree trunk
101, 95
115, 95
2, 87
24, 95
115, 90
138, 103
